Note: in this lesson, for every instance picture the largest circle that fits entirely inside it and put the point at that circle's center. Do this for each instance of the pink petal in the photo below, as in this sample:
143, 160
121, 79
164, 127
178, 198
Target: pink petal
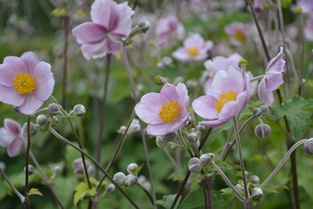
100, 12
94, 50
6, 138
182, 92
165, 128
31, 60
204, 107
148, 108
15, 148
10, 68
11, 96
124, 25
266, 96
12, 126
194, 40
30, 105
273, 81
181, 54
168, 93
277, 63
214, 123
89, 33
44, 81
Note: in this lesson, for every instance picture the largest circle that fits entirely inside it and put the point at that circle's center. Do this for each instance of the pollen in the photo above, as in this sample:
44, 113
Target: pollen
169, 111
223, 99
24, 83
193, 51
239, 36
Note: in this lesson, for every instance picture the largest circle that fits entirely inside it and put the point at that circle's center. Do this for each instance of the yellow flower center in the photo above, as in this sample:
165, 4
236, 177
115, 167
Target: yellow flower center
169, 111
193, 51
223, 99
239, 36
24, 83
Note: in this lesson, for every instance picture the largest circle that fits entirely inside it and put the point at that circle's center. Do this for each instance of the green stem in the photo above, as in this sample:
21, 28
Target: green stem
18, 194
26, 200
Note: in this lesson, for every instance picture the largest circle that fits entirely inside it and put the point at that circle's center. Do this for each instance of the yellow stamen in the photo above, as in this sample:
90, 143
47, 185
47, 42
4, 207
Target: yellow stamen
193, 51
239, 36
24, 83
169, 111
223, 99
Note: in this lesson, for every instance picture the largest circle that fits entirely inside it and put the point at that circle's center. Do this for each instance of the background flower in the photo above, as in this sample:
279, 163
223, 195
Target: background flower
25, 82
238, 33
110, 22
166, 111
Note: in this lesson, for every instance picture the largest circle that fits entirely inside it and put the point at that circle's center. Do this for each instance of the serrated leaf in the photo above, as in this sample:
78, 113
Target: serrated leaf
167, 201
81, 190
34, 191
297, 114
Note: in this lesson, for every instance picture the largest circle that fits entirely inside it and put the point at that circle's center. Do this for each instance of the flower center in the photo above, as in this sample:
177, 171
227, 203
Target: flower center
169, 111
193, 51
239, 36
223, 99
24, 83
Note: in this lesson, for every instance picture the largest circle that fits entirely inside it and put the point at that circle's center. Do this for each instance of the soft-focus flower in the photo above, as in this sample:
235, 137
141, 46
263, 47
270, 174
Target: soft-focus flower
308, 29
166, 111
272, 79
11, 137
25, 82
78, 165
238, 33
168, 28
230, 94
195, 48
258, 5
306, 6
110, 22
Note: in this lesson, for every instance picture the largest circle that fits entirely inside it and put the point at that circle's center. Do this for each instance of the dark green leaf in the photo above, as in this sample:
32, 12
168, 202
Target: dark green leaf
167, 201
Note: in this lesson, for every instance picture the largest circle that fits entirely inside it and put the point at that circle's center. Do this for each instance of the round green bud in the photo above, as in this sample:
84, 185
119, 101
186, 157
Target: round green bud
79, 110
262, 131
192, 137
130, 179
53, 109
194, 165
119, 178
254, 179
257, 193
33, 130
41, 120
132, 167
144, 25
109, 188
264, 110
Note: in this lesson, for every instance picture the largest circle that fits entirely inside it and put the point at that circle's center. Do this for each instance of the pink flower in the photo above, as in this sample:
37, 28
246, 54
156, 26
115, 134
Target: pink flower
168, 28
11, 137
195, 48
166, 111
308, 29
25, 82
110, 22
238, 33
306, 6
230, 94
272, 79
258, 5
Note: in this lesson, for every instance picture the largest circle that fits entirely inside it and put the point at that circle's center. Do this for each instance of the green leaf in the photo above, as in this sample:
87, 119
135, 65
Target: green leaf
137, 170
297, 113
270, 188
167, 201
34, 191
285, 3
194, 200
81, 190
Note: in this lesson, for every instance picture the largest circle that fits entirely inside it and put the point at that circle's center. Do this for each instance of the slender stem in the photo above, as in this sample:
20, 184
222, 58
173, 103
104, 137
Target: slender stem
26, 200
147, 192
143, 137
257, 78
282, 162
65, 58
18, 194
103, 110
209, 188
242, 165
57, 135
302, 55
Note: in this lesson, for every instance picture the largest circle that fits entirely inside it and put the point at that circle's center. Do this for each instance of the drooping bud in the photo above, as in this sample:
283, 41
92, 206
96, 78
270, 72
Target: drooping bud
144, 25
79, 110
194, 165
30, 169
119, 178
53, 109
308, 146
109, 188
264, 110
254, 179
262, 131
257, 193
33, 130
132, 167
170, 137
207, 158
192, 137
41, 120
130, 179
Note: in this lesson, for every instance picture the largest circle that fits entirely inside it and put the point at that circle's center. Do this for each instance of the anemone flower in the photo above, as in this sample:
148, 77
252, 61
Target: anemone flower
272, 79
230, 94
164, 112
110, 23
11, 137
195, 48
238, 33
25, 82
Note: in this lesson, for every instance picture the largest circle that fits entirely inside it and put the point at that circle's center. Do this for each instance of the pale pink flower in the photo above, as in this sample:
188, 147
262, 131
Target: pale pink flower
272, 79
306, 6
195, 48
308, 29
11, 137
238, 33
164, 112
168, 29
258, 5
25, 82
110, 23
230, 94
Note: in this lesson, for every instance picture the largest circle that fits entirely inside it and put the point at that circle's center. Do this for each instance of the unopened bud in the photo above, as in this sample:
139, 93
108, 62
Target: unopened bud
33, 130
207, 158
159, 80
79, 110
262, 131
192, 137
130, 179
30, 169
41, 120
57, 170
109, 188
144, 25
264, 110
78, 165
159, 141
240, 188
2, 165
200, 128
194, 165
254, 179
53, 109
170, 137
119, 178
242, 62
257, 193
308, 146
132, 167
256, 112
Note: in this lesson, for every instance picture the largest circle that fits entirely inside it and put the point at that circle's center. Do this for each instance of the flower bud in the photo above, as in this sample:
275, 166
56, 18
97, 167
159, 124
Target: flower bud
242, 62
30, 169
130, 179
264, 110
200, 128
254, 179
170, 137
240, 188
41, 120
132, 167
194, 165
256, 112
257, 193
119, 178
53, 109
79, 110
33, 130
109, 188
159, 141
308, 146
78, 165
262, 131
159, 80
144, 25
166, 61
57, 170
207, 158
2, 165
192, 137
